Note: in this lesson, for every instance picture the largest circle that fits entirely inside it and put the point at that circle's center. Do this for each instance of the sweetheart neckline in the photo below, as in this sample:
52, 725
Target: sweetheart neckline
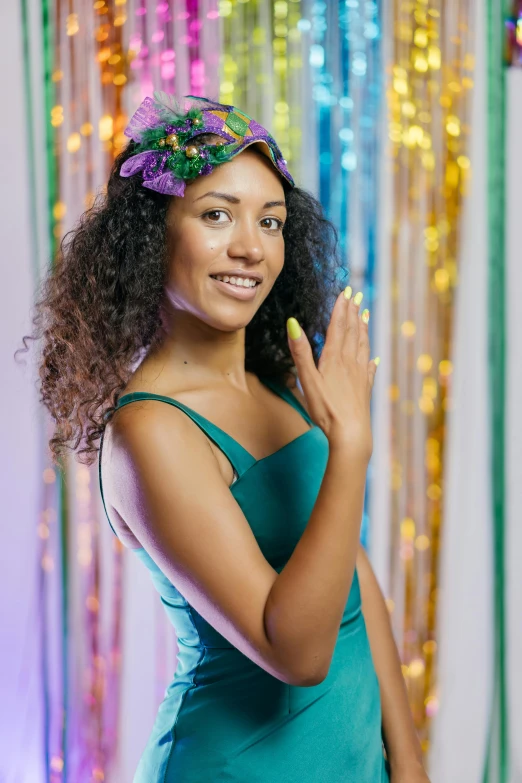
257, 462
273, 454
302, 411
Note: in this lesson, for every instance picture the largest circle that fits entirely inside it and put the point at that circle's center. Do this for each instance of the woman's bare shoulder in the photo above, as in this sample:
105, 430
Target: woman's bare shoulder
134, 425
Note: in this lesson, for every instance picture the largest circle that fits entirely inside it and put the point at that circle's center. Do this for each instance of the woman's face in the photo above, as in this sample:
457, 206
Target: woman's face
228, 220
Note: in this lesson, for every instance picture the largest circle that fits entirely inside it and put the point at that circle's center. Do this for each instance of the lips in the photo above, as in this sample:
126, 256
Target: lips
238, 292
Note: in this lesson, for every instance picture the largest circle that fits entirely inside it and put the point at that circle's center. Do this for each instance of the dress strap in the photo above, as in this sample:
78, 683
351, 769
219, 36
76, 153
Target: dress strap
240, 459
280, 388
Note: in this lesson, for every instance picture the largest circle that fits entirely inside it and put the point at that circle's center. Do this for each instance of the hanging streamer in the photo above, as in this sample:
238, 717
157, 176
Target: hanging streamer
345, 73
496, 768
429, 104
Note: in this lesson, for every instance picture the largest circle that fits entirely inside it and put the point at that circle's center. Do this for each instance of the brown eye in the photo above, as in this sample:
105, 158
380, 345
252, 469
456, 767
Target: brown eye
214, 212
279, 226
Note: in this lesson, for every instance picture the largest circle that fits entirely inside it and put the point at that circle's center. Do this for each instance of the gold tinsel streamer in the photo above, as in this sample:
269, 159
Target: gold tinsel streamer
267, 85
429, 89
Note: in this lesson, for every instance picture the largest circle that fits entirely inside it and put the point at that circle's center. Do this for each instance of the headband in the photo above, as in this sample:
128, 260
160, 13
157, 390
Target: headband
168, 152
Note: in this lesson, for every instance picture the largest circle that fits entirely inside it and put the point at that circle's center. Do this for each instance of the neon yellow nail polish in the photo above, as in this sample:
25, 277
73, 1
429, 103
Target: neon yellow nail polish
294, 330
348, 291
358, 298
365, 316
377, 360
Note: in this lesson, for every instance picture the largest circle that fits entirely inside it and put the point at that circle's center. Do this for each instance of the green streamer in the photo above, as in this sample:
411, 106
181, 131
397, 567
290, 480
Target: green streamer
52, 189
36, 265
496, 135
28, 101
46, 20
49, 101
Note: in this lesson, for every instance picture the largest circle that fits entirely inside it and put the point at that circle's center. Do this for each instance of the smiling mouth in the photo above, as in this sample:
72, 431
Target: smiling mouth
235, 285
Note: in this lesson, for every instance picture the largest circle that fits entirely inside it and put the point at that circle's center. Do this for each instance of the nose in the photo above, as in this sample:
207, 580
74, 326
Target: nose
246, 242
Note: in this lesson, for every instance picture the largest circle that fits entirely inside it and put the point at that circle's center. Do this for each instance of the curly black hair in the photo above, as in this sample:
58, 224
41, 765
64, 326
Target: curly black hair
98, 307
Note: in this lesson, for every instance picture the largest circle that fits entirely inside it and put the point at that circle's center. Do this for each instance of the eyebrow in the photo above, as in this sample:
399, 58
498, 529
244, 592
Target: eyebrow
235, 200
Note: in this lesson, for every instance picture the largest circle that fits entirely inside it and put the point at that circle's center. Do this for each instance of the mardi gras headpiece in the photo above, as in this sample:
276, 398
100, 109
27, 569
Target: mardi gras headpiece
168, 152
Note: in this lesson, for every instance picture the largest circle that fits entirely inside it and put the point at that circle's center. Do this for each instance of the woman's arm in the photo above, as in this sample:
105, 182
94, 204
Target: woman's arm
400, 737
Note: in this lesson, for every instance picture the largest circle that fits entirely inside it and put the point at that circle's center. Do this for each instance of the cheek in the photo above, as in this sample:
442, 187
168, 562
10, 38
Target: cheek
192, 248
198, 245
192, 255
279, 257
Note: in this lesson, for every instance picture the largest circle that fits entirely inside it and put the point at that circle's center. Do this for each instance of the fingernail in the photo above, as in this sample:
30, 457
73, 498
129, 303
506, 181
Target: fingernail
348, 291
358, 298
294, 330
365, 316
377, 360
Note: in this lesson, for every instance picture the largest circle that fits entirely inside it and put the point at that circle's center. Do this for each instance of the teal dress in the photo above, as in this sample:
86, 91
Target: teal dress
223, 717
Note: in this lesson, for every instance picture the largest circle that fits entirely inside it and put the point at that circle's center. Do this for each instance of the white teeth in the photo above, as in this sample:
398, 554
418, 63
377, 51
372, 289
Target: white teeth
239, 281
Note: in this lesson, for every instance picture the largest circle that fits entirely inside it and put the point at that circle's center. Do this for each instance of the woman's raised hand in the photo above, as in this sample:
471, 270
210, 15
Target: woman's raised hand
338, 391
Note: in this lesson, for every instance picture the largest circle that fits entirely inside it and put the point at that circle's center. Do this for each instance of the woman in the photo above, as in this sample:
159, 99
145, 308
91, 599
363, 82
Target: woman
242, 493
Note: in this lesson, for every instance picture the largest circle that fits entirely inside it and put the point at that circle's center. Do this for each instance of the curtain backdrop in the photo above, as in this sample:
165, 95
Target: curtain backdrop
465, 605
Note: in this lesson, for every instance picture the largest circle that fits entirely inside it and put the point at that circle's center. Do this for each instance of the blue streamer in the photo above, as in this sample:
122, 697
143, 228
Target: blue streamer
345, 63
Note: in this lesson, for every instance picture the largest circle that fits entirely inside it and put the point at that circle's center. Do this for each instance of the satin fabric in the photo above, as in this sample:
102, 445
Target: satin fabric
223, 717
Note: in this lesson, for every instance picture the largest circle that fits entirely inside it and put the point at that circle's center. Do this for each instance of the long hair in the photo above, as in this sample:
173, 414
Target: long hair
98, 307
